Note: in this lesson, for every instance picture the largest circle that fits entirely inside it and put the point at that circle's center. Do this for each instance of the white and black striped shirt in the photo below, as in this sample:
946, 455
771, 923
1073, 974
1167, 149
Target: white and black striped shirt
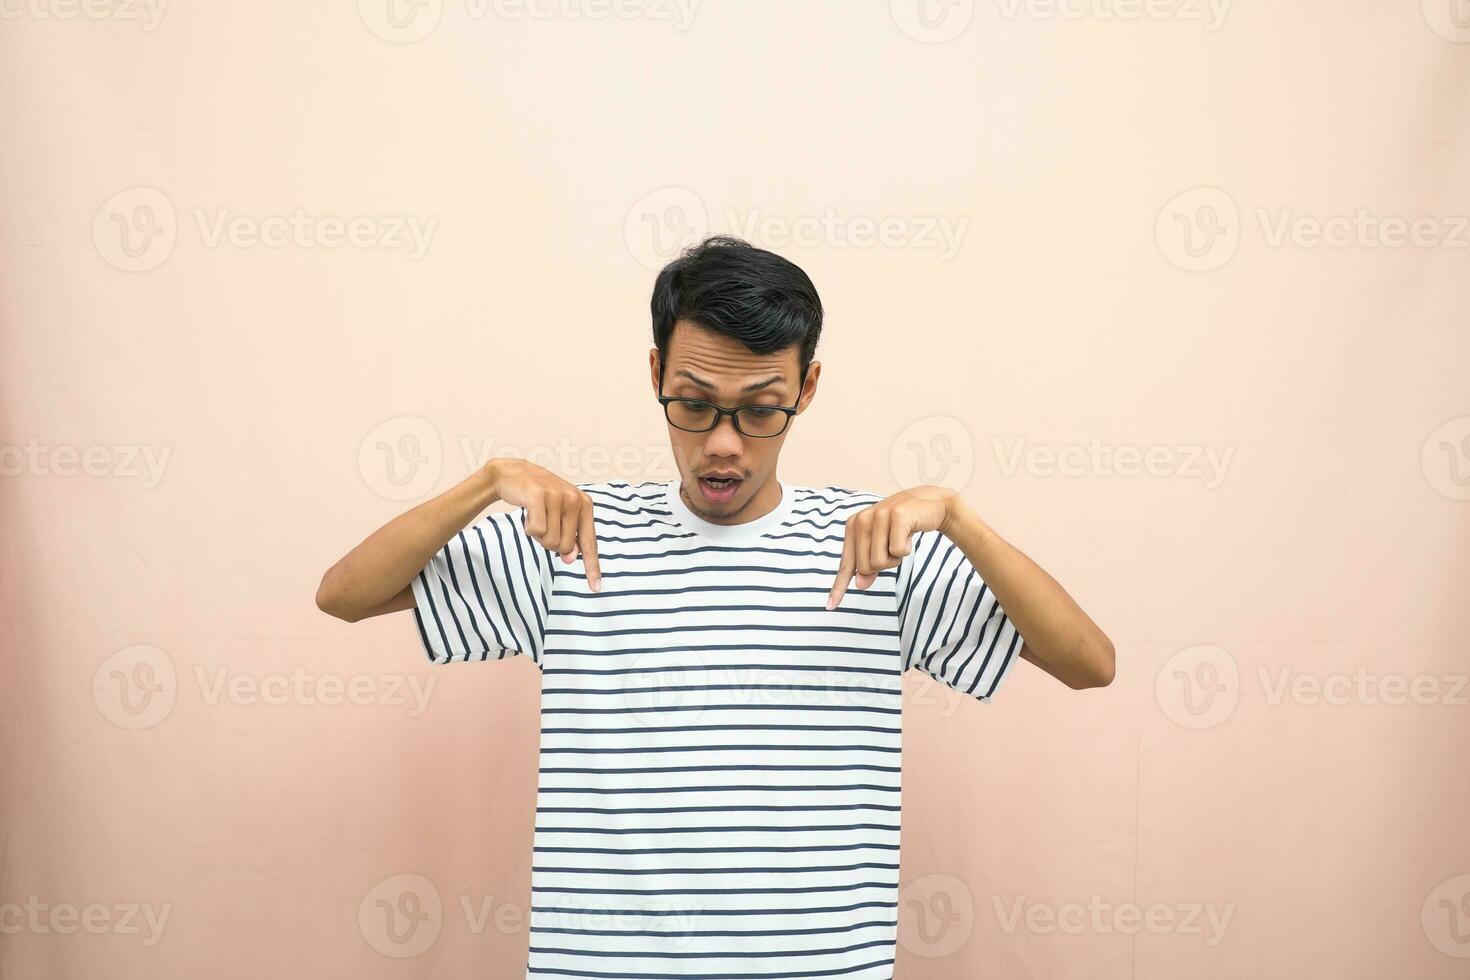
719, 779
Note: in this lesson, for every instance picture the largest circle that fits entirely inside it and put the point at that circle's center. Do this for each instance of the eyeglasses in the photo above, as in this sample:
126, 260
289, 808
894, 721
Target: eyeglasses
697, 415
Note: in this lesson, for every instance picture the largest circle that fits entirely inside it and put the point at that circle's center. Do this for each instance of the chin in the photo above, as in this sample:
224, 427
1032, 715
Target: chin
719, 508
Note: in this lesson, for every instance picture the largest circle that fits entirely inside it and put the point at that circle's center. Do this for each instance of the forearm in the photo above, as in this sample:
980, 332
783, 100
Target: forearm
384, 564
1058, 635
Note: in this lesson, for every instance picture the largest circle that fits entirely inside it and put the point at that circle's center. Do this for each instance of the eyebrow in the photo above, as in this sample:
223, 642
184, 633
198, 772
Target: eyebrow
753, 386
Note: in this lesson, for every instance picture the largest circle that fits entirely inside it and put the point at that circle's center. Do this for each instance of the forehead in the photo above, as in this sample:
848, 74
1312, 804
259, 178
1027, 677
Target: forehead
724, 361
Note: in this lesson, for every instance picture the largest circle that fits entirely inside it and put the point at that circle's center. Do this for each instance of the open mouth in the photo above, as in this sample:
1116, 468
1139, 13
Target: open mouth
718, 490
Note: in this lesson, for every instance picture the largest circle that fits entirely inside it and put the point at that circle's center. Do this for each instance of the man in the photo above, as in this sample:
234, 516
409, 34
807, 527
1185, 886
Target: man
721, 654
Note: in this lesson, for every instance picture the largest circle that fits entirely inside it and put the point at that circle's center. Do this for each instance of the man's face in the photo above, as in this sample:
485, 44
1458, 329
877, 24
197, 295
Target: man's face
711, 367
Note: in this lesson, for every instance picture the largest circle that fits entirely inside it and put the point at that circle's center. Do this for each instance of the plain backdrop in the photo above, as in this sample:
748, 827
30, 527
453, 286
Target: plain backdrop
1173, 292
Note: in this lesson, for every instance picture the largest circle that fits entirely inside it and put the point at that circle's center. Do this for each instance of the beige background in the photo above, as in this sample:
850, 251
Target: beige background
1069, 262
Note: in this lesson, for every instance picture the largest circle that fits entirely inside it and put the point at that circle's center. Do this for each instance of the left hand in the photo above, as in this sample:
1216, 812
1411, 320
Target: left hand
879, 536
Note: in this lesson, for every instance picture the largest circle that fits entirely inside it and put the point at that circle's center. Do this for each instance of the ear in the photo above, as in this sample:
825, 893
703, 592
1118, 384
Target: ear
813, 372
653, 369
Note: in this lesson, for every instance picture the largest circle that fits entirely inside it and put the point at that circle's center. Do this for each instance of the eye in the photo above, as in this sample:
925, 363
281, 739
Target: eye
760, 411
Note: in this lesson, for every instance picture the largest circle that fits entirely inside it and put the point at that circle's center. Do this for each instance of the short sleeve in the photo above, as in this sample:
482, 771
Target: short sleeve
486, 594
950, 624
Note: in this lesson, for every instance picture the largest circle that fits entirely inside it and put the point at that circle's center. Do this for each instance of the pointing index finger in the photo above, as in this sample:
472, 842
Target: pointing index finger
844, 570
587, 539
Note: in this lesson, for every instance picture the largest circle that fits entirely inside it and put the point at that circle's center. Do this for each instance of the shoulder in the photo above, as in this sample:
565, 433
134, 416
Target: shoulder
834, 505
627, 497
831, 502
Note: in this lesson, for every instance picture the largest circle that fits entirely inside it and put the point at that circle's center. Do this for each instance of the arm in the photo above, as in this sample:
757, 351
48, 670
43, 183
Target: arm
1057, 635
376, 577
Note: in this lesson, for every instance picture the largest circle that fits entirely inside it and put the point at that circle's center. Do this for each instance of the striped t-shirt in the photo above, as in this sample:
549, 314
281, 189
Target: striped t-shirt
719, 770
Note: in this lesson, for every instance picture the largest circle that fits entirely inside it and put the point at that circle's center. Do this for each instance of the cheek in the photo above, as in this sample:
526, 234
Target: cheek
768, 448
688, 445
760, 454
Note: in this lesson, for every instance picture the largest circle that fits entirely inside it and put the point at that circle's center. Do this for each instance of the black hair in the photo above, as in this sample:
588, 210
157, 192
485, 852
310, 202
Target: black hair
730, 286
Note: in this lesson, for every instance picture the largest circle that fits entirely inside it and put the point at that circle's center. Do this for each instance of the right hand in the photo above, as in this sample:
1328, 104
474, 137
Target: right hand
558, 515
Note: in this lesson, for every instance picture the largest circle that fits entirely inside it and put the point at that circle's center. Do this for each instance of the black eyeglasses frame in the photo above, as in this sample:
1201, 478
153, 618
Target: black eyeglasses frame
734, 413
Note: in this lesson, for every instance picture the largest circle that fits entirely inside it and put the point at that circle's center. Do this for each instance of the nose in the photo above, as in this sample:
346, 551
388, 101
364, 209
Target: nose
724, 439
